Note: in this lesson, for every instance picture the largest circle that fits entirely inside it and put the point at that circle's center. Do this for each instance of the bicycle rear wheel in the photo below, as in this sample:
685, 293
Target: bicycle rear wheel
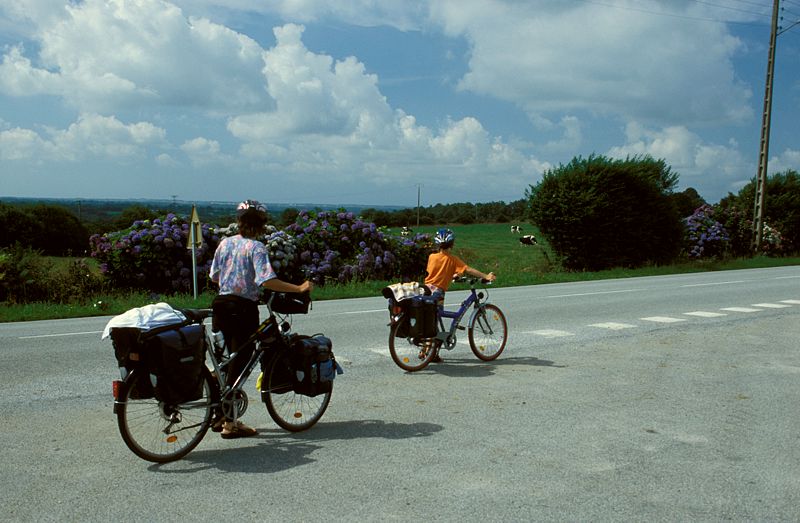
488, 332
291, 411
409, 355
158, 432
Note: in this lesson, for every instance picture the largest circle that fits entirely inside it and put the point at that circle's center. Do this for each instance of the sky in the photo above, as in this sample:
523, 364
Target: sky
384, 102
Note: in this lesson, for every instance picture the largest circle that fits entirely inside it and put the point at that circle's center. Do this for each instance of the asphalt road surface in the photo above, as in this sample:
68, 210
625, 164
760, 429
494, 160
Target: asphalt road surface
668, 398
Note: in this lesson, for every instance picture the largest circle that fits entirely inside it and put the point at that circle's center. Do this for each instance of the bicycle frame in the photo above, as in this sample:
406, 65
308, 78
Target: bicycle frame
473, 300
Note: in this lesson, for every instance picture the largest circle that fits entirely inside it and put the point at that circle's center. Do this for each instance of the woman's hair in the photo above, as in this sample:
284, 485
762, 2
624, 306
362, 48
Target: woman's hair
251, 225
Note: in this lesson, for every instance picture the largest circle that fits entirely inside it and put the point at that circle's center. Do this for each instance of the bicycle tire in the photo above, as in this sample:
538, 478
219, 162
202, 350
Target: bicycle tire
291, 411
407, 354
147, 429
488, 332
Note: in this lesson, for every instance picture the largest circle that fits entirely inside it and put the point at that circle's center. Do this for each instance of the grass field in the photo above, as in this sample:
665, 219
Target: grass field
487, 247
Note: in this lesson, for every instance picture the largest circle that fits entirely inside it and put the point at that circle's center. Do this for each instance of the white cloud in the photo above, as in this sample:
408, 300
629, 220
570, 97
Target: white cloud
331, 118
91, 136
550, 56
788, 159
102, 55
708, 167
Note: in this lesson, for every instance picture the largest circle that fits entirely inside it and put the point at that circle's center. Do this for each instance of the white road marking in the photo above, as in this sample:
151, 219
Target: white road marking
705, 314
610, 325
59, 335
710, 284
550, 333
740, 309
663, 319
791, 302
771, 305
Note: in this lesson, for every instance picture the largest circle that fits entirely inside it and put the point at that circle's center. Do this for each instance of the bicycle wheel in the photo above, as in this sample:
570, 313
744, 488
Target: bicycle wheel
158, 432
409, 355
291, 411
488, 332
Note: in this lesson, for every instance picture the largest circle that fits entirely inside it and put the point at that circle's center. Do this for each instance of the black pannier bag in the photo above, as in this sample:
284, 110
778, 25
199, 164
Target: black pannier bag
314, 365
421, 315
130, 353
291, 302
177, 357
283, 377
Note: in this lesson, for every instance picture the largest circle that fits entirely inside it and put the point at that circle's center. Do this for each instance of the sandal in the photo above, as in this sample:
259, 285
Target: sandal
240, 430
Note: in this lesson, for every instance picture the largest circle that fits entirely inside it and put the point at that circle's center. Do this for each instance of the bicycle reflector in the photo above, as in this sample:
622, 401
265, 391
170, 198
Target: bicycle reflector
115, 385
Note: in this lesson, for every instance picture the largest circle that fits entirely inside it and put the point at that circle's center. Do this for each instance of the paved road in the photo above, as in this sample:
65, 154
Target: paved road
646, 399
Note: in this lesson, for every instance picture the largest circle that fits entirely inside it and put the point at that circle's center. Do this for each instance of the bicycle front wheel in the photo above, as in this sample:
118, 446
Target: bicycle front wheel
156, 431
488, 332
409, 355
291, 411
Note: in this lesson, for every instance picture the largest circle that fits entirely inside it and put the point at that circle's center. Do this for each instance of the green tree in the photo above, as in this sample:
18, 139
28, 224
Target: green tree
598, 213
781, 206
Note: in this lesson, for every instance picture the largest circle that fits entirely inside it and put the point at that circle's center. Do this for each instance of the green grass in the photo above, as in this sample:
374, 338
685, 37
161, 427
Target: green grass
487, 247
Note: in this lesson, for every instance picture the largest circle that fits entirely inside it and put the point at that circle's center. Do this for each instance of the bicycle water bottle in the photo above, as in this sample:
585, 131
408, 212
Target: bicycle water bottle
219, 342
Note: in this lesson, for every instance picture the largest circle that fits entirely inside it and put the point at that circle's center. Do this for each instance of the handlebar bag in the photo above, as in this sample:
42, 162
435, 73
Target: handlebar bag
291, 303
177, 358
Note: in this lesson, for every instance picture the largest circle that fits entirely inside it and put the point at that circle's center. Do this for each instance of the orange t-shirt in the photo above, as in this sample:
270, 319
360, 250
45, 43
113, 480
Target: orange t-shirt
442, 266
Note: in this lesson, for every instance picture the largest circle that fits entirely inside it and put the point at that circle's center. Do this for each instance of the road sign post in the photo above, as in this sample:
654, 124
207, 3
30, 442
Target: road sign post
195, 242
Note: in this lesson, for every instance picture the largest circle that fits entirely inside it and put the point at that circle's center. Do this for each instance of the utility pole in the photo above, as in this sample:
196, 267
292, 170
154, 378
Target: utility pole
763, 155
418, 192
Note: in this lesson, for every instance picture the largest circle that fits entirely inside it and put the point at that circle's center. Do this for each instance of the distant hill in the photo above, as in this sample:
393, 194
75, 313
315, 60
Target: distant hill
96, 209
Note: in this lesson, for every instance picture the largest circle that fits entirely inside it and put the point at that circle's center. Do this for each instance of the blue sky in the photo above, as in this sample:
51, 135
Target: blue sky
367, 101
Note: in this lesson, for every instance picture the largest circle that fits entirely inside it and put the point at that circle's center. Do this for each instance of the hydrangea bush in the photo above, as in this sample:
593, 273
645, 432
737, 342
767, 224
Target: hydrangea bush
321, 246
340, 247
153, 255
705, 237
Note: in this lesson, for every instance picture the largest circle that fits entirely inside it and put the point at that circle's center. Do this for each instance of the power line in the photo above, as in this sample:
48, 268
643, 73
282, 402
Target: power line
729, 7
673, 15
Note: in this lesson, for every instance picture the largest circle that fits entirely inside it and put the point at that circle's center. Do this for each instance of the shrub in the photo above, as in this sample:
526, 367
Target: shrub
598, 213
23, 275
704, 236
322, 246
338, 246
781, 207
153, 255
48, 229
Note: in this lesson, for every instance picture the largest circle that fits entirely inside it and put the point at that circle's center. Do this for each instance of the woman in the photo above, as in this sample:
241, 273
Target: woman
241, 268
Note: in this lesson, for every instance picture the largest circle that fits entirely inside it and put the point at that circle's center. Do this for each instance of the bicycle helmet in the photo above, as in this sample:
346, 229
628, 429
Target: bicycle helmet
251, 207
444, 238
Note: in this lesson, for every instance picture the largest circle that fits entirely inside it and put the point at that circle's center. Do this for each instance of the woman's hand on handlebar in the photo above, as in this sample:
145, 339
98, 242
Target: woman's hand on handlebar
306, 286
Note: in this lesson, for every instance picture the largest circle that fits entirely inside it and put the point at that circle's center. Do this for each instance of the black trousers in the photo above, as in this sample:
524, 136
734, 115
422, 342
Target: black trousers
237, 318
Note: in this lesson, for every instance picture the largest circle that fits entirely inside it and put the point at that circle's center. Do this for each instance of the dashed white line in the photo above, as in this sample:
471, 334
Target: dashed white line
663, 319
791, 302
610, 325
740, 309
551, 333
705, 314
771, 305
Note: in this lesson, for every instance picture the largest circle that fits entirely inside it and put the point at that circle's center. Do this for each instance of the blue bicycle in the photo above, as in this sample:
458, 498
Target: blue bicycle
413, 345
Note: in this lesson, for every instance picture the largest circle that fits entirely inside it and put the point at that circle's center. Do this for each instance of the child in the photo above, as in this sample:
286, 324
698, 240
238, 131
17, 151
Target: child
443, 265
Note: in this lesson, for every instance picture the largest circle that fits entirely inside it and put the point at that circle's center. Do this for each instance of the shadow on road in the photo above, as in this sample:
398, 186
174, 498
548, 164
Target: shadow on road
276, 450
474, 368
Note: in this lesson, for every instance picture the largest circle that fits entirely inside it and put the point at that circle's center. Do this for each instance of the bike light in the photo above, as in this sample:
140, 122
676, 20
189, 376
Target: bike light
115, 385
